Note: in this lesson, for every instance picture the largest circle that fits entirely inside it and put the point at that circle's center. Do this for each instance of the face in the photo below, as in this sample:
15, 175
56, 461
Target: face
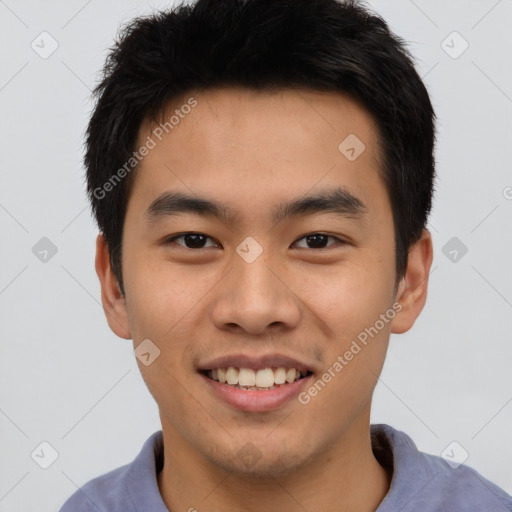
253, 240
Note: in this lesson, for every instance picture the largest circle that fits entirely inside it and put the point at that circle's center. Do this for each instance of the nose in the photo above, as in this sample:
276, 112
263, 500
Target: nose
255, 298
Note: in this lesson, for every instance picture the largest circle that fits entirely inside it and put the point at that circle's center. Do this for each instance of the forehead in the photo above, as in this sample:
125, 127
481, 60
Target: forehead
249, 148
222, 117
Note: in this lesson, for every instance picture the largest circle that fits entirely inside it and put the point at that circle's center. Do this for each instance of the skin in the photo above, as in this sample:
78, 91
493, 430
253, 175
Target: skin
251, 151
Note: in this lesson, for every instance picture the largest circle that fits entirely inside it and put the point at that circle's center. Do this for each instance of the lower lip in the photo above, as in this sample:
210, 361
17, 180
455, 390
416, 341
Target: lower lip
257, 401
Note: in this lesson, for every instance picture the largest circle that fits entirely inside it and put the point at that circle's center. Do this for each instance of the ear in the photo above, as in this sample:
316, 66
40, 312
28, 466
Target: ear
412, 289
114, 304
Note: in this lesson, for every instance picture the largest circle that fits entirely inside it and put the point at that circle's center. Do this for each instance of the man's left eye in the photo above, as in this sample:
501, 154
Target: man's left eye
317, 241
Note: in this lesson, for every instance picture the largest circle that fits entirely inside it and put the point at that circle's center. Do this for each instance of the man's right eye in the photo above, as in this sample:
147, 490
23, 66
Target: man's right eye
191, 240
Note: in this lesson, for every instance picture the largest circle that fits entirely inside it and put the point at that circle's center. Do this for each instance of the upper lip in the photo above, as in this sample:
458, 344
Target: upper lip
255, 362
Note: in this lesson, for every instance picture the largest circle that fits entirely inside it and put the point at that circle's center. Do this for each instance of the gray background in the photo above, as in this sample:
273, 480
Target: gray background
67, 380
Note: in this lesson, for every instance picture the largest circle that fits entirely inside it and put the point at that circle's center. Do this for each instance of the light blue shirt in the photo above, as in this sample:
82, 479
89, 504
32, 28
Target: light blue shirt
420, 482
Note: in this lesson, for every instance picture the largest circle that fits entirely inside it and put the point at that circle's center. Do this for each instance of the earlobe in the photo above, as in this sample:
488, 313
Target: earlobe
412, 289
114, 303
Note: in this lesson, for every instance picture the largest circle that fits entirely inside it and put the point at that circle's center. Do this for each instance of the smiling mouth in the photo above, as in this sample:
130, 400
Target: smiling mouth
263, 379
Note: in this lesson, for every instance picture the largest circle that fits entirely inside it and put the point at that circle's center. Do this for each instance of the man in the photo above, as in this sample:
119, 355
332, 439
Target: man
262, 173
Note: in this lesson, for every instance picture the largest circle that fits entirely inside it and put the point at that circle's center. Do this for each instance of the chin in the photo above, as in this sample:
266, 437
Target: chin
257, 461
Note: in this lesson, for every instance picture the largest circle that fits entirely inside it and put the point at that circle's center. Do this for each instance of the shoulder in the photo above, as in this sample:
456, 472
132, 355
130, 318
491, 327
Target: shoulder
118, 490
462, 488
105, 492
424, 482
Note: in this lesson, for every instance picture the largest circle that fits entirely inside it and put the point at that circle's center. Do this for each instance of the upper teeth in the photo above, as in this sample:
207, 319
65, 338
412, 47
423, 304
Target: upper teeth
263, 378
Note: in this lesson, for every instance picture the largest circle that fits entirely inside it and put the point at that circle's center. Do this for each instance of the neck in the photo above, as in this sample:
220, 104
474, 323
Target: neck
345, 477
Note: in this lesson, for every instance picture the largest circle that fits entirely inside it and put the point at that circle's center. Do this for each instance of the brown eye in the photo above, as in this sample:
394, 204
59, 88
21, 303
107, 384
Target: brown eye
317, 241
192, 240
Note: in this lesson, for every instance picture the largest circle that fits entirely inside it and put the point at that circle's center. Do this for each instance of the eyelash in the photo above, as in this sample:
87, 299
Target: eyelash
178, 236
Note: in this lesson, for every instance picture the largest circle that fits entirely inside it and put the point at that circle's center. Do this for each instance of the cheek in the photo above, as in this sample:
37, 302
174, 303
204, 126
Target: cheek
157, 295
166, 303
348, 298
351, 306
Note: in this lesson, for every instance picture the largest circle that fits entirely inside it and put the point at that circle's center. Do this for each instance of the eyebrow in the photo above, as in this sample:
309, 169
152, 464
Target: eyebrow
335, 200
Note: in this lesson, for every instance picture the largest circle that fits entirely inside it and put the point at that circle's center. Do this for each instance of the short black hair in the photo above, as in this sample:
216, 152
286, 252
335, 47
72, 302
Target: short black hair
264, 45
